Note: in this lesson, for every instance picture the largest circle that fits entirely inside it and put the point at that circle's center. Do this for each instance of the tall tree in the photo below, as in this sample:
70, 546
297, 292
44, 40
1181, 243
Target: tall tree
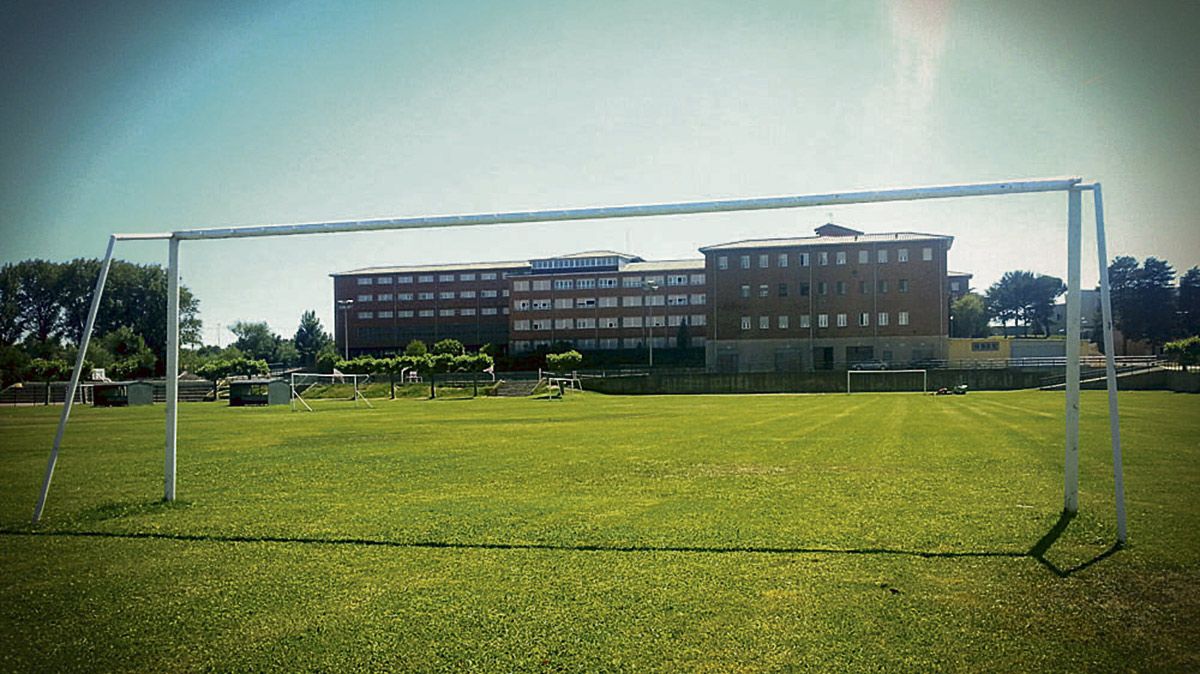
1122, 283
969, 317
1003, 298
1189, 303
255, 339
1039, 301
39, 296
1157, 296
310, 337
10, 305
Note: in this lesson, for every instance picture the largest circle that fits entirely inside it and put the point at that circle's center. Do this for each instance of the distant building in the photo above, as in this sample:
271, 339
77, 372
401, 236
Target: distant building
827, 301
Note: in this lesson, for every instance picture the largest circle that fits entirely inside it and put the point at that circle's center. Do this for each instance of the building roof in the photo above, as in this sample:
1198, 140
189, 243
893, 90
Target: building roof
960, 273
827, 240
694, 264
462, 266
590, 253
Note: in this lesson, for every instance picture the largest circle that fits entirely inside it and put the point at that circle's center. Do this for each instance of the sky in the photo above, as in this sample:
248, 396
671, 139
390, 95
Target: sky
156, 116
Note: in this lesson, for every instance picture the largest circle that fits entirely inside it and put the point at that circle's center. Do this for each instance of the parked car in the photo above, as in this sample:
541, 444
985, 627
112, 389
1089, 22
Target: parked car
869, 365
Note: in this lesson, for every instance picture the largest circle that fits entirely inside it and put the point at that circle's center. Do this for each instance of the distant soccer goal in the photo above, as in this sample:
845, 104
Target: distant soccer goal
887, 380
309, 387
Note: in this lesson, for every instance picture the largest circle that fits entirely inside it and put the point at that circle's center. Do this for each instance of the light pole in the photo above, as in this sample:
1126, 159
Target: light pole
345, 305
649, 287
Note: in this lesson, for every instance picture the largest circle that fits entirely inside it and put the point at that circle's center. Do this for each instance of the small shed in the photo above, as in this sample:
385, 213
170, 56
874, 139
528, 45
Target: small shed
259, 392
122, 393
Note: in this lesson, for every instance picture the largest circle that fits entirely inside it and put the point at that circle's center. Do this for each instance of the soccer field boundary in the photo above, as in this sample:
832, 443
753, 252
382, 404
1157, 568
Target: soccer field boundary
1037, 552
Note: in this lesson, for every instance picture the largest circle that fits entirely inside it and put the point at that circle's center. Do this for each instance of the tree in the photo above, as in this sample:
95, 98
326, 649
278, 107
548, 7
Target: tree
216, 370
1025, 297
46, 370
38, 298
310, 338
255, 339
1184, 351
1189, 302
969, 316
131, 358
1143, 299
416, 348
562, 362
683, 336
10, 305
1002, 299
1039, 301
452, 347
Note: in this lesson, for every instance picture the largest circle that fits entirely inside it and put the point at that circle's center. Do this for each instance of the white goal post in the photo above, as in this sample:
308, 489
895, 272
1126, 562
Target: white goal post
301, 382
1074, 188
924, 376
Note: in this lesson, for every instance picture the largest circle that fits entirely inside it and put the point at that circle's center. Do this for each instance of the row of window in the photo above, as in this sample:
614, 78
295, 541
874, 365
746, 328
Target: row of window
882, 286
607, 322
575, 262
429, 313
426, 278
882, 256
443, 295
783, 322
607, 343
673, 280
545, 304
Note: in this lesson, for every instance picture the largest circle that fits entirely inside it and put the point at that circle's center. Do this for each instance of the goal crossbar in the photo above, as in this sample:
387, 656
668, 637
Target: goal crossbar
924, 376
1073, 186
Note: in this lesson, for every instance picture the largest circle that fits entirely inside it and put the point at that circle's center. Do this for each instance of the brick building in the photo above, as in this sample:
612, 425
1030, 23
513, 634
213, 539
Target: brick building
391, 306
827, 301
608, 301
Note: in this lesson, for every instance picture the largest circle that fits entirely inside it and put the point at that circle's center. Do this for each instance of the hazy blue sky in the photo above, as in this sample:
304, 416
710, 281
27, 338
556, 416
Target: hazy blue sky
152, 116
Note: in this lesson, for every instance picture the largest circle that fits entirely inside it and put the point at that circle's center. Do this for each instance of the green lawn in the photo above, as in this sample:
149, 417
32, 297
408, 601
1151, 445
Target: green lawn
885, 532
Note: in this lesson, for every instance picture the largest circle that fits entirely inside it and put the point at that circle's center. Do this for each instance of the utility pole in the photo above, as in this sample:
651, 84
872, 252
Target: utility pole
345, 305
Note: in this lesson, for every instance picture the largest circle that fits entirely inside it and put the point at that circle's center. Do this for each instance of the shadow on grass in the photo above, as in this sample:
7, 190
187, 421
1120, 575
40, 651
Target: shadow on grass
1037, 552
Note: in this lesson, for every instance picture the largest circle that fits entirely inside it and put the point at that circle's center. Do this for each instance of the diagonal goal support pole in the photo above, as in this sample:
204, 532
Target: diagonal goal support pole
1110, 365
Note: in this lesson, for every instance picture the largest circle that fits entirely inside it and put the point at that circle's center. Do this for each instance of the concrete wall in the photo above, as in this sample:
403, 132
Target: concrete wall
1154, 380
809, 382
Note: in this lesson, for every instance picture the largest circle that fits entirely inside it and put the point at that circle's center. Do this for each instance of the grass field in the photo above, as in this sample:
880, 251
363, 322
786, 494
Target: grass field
713, 533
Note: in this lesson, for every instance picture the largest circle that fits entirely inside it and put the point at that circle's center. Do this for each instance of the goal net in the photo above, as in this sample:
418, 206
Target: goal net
308, 388
863, 381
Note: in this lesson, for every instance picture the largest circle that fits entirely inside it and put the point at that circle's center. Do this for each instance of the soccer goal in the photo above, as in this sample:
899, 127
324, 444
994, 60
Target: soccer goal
328, 387
1072, 187
887, 380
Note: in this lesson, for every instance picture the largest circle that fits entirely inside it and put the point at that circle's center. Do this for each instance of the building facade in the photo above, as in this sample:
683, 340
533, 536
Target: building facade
827, 301
607, 301
382, 309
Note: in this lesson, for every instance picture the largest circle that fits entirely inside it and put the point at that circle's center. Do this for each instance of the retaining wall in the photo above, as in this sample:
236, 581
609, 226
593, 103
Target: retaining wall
811, 382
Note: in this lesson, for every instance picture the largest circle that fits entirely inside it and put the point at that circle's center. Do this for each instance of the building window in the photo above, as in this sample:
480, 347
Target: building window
364, 298
385, 314
425, 313
841, 257
677, 300
522, 305
862, 287
697, 319
655, 300
764, 322
781, 260
564, 303
954, 286
587, 343
882, 286
585, 323
384, 297
823, 258
424, 296
585, 302
802, 289
901, 255
674, 321
609, 323
822, 288
805, 321
466, 312
607, 283
631, 301
902, 285
782, 290
466, 277
541, 285
564, 284
365, 281
744, 261
406, 313
540, 305
609, 343
764, 261
698, 298
782, 323
864, 319
881, 256
487, 276
902, 318
883, 319
631, 321
764, 290
564, 324
697, 279
722, 262
425, 278
520, 286
446, 295
985, 346
608, 302
404, 279
446, 278
446, 312
467, 294
841, 287
822, 320
927, 254
585, 283
487, 311
803, 259
632, 282
384, 280
841, 320
745, 291
364, 315
542, 324
405, 297
745, 322
677, 280
864, 257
